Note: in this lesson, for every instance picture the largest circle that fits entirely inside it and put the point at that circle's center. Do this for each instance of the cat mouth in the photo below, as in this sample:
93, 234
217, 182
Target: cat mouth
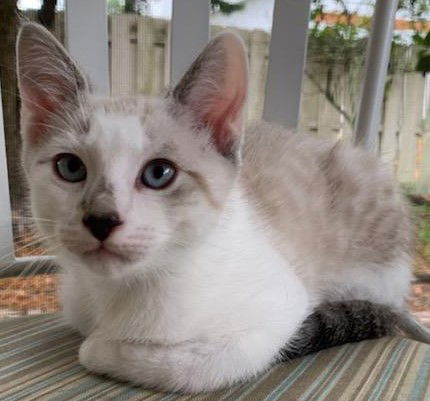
103, 253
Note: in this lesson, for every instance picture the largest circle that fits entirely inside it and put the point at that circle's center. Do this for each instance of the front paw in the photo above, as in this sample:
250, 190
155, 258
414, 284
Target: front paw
135, 363
99, 355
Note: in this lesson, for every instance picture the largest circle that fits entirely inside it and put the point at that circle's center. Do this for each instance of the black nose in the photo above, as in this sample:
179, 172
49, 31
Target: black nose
101, 226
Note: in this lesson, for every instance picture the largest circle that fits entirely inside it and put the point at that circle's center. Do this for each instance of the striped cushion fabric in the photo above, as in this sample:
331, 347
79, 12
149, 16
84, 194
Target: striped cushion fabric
38, 361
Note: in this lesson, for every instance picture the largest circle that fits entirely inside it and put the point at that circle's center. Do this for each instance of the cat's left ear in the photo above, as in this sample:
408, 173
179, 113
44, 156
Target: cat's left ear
214, 91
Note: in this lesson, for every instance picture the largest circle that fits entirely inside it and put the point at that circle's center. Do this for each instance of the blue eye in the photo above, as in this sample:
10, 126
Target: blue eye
70, 167
158, 174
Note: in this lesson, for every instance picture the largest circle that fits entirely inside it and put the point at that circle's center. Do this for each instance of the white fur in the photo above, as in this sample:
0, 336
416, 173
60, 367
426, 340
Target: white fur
219, 312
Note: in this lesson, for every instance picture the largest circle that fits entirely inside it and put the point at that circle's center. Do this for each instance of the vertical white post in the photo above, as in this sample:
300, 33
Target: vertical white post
6, 235
426, 99
286, 61
87, 40
189, 33
377, 58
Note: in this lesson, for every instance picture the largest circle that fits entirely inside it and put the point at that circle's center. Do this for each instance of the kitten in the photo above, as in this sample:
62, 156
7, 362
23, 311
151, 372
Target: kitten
193, 252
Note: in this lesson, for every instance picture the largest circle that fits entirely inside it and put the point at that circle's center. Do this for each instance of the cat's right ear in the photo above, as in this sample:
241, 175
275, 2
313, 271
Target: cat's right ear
214, 91
49, 81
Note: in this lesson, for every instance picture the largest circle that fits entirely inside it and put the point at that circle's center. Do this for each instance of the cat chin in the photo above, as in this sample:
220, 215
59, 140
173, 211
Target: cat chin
104, 264
112, 267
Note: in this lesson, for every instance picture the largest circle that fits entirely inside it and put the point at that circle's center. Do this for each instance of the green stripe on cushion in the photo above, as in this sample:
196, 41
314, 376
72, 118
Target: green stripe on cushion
38, 361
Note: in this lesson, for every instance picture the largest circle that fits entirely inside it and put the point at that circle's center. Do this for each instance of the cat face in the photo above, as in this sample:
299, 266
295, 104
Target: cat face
123, 184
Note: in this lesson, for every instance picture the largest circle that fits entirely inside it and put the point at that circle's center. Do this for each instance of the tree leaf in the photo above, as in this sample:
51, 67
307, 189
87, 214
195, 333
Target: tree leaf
426, 41
423, 64
418, 39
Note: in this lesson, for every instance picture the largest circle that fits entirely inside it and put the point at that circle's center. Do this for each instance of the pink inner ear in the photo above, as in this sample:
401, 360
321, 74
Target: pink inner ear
224, 118
224, 111
41, 107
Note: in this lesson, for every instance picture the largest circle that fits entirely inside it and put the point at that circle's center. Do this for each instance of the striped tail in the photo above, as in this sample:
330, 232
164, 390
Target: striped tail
336, 323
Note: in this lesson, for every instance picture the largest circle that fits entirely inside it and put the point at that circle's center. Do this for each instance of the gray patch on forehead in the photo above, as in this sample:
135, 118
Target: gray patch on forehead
99, 199
167, 149
104, 186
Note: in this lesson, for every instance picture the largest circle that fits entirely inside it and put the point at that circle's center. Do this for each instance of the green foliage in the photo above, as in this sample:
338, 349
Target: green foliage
114, 7
416, 9
423, 62
339, 50
226, 7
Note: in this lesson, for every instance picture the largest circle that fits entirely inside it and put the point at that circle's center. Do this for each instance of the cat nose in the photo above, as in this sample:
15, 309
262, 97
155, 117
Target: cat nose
101, 226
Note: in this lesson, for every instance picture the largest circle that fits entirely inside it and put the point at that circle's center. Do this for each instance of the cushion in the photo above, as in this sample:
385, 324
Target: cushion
38, 361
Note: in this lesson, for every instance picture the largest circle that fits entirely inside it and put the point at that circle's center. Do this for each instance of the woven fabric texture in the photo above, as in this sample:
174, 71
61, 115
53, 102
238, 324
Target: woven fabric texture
38, 361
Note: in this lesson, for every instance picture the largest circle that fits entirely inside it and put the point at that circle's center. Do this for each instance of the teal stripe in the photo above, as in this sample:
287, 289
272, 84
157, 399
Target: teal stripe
6, 329
226, 394
130, 392
382, 382
45, 382
36, 358
82, 386
56, 336
168, 397
291, 378
251, 387
423, 379
24, 329
18, 336
341, 352
333, 381
99, 394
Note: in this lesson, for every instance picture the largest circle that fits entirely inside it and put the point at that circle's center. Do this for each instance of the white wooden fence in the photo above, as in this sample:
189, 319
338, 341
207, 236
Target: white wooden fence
139, 65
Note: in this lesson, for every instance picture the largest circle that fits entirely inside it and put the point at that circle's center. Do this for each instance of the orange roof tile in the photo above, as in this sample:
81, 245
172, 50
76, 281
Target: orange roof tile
400, 24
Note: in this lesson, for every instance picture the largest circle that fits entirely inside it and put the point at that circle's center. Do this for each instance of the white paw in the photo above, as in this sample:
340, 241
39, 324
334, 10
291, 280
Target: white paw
98, 355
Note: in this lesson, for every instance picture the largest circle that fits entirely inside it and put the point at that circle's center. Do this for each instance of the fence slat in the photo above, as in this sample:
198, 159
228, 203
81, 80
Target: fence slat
123, 55
87, 40
6, 235
189, 33
151, 55
286, 63
377, 58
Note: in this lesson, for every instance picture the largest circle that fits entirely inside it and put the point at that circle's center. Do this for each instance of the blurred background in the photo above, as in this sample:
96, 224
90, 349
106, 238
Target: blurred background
337, 38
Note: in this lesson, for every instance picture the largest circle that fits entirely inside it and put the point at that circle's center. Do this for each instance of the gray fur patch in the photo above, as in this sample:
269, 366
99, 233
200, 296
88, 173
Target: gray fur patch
99, 200
205, 188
